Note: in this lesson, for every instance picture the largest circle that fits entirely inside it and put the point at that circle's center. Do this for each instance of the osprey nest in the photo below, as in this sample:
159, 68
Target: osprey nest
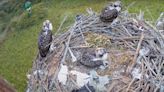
133, 61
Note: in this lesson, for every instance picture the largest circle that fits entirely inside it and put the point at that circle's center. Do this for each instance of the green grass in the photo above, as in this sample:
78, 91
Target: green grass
20, 48
151, 8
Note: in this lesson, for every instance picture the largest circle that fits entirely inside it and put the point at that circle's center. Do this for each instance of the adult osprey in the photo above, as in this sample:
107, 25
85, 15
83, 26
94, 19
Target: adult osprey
45, 38
110, 12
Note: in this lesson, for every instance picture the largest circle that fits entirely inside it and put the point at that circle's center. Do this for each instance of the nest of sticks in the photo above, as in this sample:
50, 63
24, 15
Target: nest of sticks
136, 55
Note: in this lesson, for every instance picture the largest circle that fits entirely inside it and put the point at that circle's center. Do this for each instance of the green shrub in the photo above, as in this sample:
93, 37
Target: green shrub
39, 13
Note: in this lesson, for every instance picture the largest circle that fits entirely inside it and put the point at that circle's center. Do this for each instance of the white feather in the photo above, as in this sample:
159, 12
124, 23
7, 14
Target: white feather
118, 9
50, 26
62, 76
52, 47
81, 78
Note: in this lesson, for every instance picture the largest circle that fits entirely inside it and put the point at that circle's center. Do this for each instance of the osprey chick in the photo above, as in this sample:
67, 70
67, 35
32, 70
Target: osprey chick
45, 38
108, 15
94, 57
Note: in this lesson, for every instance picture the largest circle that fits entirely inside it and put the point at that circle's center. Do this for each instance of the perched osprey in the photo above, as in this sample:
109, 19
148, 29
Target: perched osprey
94, 57
110, 12
45, 38
108, 15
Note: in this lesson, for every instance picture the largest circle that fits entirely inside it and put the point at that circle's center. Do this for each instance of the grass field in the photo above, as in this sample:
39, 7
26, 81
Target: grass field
19, 50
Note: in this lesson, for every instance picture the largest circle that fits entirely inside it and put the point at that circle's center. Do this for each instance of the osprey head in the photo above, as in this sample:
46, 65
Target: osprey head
47, 25
116, 5
101, 53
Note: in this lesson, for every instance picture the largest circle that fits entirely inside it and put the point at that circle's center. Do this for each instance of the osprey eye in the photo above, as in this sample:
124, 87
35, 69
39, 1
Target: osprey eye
101, 55
106, 8
115, 5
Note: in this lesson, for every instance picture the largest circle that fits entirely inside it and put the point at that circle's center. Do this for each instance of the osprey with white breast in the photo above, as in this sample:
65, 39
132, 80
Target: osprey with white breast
45, 38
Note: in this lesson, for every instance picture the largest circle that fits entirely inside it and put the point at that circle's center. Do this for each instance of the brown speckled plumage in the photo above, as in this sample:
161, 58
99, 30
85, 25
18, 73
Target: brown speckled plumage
108, 15
44, 42
92, 57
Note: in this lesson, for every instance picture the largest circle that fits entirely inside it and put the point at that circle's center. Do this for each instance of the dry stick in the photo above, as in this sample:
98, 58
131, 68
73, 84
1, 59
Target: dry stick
148, 65
61, 24
56, 73
156, 32
112, 86
126, 30
58, 87
130, 84
159, 17
67, 44
129, 45
156, 89
128, 38
75, 47
87, 88
54, 77
136, 54
121, 88
72, 55
161, 66
158, 70
82, 35
142, 70
73, 81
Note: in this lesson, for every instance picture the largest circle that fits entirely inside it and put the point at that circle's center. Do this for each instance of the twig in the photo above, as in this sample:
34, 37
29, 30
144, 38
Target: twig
148, 65
72, 55
87, 88
121, 88
61, 25
126, 30
130, 84
67, 44
75, 47
136, 54
82, 36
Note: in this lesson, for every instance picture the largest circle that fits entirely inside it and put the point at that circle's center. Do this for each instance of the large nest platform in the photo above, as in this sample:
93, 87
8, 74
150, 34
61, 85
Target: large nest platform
135, 57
